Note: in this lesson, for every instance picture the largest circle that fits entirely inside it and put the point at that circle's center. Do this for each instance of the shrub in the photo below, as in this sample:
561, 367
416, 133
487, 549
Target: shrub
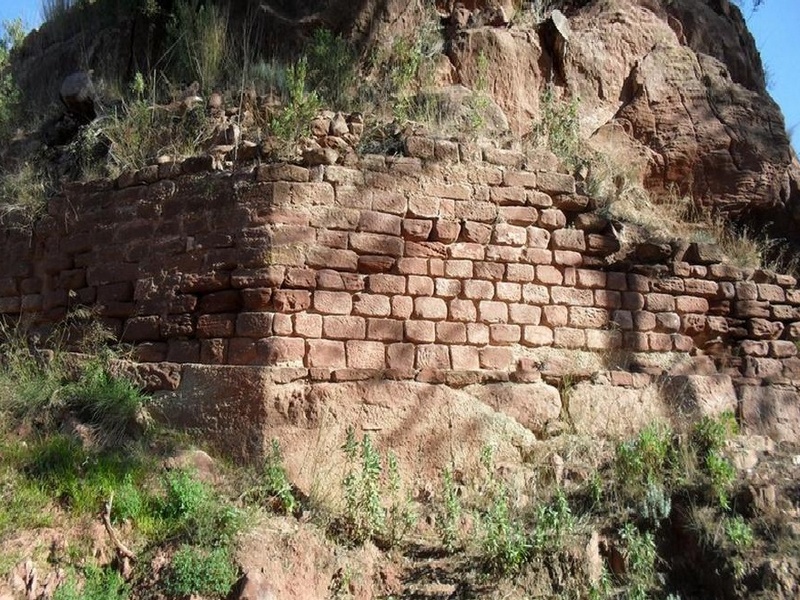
553, 521
195, 570
332, 65
139, 131
504, 542
640, 556
738, 532
646, 460
558, 129
365, 517
23, 194
400, 517
111, 404
191, 512
199, 31
294, 120
10, 96
276, 483
449, 514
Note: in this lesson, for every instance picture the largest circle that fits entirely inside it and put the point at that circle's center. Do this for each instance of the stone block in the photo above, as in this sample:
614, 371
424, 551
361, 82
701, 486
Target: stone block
433, 356
568, 239
496, 358
492, 312
565, 337
344, 328
365, 354
326, 354
430, 308
504, 334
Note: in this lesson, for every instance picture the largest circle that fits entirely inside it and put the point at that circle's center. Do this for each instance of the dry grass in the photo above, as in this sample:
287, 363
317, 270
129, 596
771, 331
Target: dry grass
621, 196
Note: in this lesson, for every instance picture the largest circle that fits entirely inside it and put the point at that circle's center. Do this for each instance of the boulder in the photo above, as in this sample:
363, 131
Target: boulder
78, 95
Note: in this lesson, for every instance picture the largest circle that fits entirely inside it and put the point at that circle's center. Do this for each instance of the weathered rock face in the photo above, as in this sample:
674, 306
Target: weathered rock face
685, 84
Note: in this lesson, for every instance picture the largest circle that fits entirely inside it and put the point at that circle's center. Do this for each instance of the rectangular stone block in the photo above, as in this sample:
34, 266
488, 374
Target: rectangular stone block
420, 331
433, 356
373, 243
307, 325
430, 308
463, 311
401, 356
660, 303
497, 358
478, 290
492, 312
347, 328
365, 354
504, 334
451, 333
572, 296
464, 358
216, 325
585, 318
326, 354
386, 284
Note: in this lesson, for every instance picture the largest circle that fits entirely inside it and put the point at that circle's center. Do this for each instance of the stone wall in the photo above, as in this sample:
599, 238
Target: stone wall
451, 265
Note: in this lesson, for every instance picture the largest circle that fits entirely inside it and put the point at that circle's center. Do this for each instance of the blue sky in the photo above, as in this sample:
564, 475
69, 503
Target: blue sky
776, 27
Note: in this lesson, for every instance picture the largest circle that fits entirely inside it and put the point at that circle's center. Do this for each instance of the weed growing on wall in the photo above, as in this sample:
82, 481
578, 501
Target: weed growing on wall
559, 129
375, 505
293, 121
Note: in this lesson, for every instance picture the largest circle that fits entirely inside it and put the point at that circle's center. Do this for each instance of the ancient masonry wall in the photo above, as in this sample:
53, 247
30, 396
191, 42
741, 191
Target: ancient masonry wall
439, 265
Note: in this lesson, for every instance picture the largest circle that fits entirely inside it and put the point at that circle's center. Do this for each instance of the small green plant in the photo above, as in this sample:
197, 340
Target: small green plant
709, 438
553, 521
400, 516
196, 570
656, 504
558, 129
644, 461
479, 101
739, 532
294, 120
640, 557
332, 68
722, 474
276, 482
365, 517
710, 434
602, 589
110, 404
100, 584
448, 516
504, 543
190, 511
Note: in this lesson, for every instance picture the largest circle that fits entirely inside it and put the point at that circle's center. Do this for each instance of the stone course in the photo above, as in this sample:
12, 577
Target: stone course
397, 267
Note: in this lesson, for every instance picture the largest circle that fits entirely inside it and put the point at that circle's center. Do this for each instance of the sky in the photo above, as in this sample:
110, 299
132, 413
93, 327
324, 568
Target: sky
775, 26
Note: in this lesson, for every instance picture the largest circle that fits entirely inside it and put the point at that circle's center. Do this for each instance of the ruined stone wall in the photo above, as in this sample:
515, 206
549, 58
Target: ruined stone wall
447, 266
